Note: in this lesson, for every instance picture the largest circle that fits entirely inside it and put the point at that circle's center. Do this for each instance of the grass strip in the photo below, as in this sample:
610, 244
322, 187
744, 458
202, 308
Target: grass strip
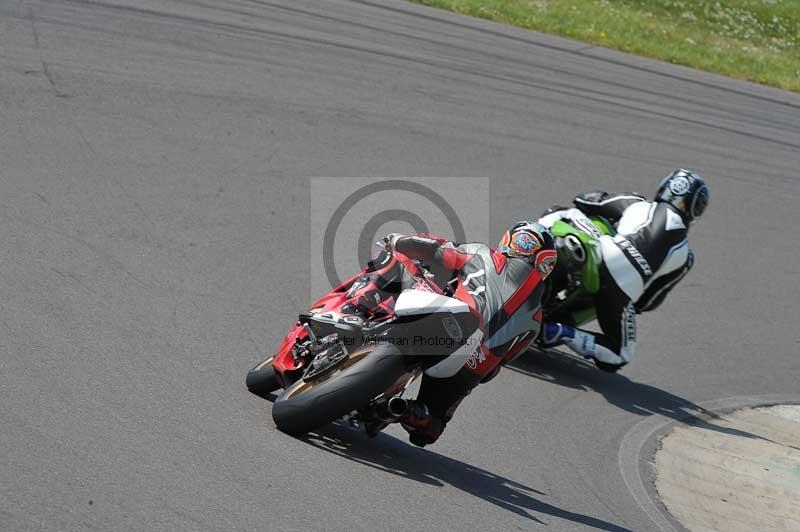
756, 40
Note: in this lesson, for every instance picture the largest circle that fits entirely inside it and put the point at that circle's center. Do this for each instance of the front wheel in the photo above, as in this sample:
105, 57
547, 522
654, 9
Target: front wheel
608, 368
262, 379
365, 374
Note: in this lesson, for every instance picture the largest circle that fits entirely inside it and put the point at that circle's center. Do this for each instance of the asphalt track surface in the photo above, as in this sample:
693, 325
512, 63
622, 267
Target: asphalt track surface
154, 207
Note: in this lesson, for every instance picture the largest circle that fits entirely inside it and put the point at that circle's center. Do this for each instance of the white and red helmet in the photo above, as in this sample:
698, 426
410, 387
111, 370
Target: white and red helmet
530, 241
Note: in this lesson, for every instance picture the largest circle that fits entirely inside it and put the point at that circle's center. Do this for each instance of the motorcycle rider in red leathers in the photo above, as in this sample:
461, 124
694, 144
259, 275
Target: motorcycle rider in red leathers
503, 288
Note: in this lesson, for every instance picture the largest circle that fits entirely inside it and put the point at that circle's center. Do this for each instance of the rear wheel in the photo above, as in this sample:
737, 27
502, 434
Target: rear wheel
262, 379
365, 374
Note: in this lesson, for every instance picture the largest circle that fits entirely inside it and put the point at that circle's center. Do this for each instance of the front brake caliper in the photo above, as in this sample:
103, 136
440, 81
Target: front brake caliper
332, 352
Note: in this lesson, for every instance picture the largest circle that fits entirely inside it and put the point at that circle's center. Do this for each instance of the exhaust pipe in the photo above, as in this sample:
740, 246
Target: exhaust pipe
397, 406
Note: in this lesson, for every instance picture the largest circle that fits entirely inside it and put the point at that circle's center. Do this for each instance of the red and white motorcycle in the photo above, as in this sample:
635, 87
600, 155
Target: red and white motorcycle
356, 350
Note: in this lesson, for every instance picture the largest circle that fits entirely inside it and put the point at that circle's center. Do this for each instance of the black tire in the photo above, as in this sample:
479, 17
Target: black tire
262, 380
339, 393
608, 368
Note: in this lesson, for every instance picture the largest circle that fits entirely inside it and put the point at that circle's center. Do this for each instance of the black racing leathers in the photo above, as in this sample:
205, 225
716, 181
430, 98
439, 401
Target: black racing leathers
647, 257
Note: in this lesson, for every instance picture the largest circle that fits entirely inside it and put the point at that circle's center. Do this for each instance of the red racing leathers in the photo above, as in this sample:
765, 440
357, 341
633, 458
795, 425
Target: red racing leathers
504, 293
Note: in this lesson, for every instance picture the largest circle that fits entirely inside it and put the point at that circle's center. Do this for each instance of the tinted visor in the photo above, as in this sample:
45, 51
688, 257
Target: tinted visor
700, 202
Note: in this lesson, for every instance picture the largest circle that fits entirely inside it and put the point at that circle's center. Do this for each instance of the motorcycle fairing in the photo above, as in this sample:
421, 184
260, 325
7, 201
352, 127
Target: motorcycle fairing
413, 301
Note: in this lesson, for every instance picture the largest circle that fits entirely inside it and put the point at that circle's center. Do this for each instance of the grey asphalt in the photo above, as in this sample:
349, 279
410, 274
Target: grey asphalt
154, 223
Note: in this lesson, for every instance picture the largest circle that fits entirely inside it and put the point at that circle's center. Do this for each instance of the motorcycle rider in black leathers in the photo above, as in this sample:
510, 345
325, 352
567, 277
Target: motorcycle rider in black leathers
503, 289
647, 257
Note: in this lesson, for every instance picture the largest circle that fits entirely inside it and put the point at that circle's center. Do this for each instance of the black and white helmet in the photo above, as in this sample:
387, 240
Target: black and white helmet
686, 191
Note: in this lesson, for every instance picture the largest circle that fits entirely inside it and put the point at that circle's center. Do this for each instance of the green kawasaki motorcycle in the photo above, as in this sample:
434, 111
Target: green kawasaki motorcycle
576, 280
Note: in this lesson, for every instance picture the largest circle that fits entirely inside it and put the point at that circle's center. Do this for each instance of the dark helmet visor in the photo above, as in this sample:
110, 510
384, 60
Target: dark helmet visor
700, 202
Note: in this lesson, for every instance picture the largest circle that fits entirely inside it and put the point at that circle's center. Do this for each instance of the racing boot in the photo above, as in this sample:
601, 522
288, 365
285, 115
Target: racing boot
423, 427
554, 335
